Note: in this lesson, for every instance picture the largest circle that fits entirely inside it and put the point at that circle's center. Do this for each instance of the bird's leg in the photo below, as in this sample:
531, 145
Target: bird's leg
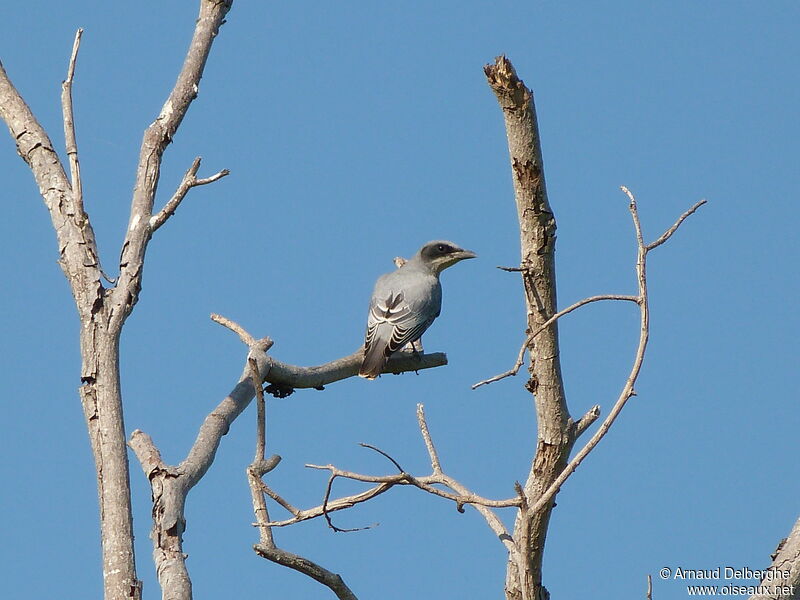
414, 348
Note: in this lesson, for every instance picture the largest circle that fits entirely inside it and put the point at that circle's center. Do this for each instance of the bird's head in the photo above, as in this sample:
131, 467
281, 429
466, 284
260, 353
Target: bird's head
440, 254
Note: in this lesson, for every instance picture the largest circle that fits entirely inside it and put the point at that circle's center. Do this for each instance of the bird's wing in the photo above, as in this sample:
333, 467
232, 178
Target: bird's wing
402, 307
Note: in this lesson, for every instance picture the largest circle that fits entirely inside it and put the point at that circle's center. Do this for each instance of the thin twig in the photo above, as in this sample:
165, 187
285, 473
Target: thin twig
461, 497
514, 269
325, 511
246, 338
69, 129
189, 181
649, 587
279, 499
426, 436
668, 233
379, 451
529, 340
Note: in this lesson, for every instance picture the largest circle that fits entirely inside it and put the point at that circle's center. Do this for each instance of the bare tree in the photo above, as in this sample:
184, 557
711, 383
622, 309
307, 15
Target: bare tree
102, 311
104, 307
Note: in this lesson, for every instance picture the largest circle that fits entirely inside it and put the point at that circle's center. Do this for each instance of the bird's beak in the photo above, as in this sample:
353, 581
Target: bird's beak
462, 254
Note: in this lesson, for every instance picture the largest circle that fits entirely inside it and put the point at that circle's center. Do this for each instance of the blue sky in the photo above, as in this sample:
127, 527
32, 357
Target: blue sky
354, 134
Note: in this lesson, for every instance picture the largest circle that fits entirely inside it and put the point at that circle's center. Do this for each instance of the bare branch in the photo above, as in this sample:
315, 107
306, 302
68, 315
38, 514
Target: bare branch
337, 504
668, 233
279, 499
556, 432
461, 497
296, 377
189, 181
256, 467
325, 511
529, 340
266, 547
494, 523
285, 377
99, 392
327, 578
76, 241
426, 436
513, 269
628, 389
381, 452
424, 483
246, 338
69, 129
156, 138
586, 420
635, 215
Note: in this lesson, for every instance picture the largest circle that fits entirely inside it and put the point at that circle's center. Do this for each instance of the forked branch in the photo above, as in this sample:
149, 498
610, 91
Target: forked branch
171, 484
189, 181
454, 491
526, 345
266, 547
628, 390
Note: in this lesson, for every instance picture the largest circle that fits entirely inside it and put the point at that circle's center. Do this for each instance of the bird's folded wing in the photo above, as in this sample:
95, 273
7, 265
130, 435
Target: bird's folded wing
393, 321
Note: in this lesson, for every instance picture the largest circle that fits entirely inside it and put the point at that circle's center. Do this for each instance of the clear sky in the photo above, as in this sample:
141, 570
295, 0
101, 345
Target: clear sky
354, 133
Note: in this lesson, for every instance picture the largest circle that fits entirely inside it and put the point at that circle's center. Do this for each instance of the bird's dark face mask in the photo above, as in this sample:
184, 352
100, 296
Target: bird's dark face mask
444, 254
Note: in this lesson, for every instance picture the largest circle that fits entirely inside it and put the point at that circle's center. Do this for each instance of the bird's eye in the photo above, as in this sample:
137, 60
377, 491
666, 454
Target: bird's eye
441, 247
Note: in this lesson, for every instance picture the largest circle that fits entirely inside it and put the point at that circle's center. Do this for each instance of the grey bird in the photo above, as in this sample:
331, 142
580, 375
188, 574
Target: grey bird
405, 302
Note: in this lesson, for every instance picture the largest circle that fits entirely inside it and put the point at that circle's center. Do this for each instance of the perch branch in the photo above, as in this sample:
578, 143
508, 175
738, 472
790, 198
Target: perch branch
189, 181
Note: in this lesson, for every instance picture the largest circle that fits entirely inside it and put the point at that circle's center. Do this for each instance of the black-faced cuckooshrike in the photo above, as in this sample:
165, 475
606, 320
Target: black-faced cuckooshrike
405, 303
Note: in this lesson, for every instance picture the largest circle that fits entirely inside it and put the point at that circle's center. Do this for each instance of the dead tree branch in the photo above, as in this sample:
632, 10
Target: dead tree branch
69, 125
103, 311
290, 377
189, 181
557, 432
99, 343
266, 547
171, 484
529, 340
537, 248
459, 494
155, 141
628, 389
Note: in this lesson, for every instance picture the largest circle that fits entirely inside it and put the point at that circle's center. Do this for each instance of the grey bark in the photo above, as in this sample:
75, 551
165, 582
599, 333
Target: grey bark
103, 311
537, 225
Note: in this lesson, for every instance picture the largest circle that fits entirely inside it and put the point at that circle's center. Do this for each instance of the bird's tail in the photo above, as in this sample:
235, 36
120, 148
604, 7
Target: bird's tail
373, 363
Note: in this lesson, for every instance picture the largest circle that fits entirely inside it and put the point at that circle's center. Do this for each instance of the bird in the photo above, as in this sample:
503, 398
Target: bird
405, 302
